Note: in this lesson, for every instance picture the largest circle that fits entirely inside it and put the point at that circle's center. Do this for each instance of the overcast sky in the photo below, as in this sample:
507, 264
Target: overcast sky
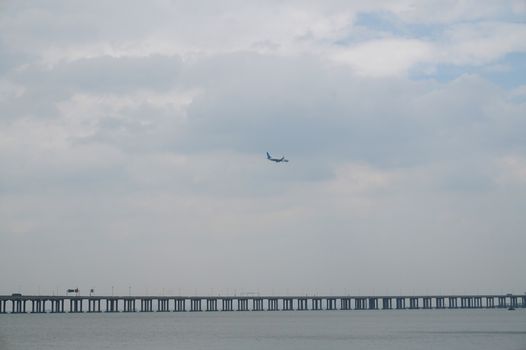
133, 138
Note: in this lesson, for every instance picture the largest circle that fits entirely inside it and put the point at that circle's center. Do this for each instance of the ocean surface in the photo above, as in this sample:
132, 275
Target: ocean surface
394, 329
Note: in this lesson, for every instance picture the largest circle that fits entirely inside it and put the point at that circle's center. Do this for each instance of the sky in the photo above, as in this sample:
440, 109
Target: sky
133, 138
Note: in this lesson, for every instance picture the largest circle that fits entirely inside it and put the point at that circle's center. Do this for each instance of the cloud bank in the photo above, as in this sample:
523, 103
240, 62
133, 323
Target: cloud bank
133, 140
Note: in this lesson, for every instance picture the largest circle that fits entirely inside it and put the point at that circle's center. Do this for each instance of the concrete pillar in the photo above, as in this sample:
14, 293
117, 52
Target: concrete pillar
257, 304
242, 304
180, 305
146, 305
413, 303
272, 304
490, 302
211, 304
427, 303
400, 303
360, 303
303, 304
195, 304
94, 305
345, 304
317, 304
288, 304
514, 302
227, 304
452, 302
440, 304
502, 302
163, 305
109, 305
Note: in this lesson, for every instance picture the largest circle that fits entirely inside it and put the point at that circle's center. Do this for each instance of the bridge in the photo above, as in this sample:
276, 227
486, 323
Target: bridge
41, 304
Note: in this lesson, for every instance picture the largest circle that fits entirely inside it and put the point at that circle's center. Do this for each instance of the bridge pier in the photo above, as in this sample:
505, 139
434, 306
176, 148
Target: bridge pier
373, 303
38, 306
195, 305
387, 304
316, 304
112, 305
227, 304
242, 304
18, 306
129, 305
146, 305
440, 303
360, 303
272, 304
490, 302
180, 305
514, 302
502, 302
303, 304
345, 304
413, 303
75, 305
163, 305
427, 303
452, 303
478, 302
211, 304
288, 304
257, 304
94, 305
57, 306
400, 303
466, 303
331, 304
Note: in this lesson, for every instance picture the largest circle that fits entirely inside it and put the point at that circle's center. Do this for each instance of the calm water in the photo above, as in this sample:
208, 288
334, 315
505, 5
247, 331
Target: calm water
450, 329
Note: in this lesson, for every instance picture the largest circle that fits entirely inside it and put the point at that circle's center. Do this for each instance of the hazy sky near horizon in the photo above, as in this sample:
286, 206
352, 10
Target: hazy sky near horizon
133, 138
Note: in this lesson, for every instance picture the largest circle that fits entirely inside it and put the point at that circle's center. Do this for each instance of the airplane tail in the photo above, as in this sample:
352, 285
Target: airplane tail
268, 155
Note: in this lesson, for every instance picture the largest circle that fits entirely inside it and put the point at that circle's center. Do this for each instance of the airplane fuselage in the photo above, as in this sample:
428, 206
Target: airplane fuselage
277, 160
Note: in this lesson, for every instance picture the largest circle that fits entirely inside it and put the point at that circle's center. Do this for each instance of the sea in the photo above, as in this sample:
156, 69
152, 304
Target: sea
496, 329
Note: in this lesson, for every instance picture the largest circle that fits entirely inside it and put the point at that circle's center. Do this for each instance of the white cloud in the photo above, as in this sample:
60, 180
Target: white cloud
475, 33
387, 57
481, 43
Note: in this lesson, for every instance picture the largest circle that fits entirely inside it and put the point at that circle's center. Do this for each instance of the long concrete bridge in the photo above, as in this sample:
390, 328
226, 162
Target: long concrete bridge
21, 304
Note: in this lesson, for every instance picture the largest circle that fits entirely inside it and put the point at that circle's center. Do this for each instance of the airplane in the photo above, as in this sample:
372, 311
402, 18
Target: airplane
277, 160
